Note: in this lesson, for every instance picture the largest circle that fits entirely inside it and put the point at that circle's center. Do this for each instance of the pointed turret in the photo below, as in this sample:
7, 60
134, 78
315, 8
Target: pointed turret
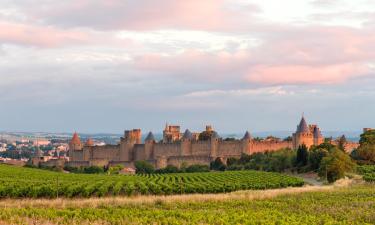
302, 127
317, 133
150, 137
75, 139
215, 135
247, 136
89, 142
75, 143
187, 135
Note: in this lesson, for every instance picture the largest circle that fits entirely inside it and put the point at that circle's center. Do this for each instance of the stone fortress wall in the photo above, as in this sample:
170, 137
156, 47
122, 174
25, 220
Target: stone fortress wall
178, 148
175, 149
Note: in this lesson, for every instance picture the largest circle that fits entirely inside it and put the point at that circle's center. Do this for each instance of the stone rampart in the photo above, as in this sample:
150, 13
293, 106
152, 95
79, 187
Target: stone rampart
188, 160
263, 146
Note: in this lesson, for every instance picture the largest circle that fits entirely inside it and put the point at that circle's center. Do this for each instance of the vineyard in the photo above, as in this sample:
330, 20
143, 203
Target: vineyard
349, 205
368, 172
18, 182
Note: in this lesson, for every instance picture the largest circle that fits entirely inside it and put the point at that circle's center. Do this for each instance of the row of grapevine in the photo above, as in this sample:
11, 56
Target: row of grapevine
34, 183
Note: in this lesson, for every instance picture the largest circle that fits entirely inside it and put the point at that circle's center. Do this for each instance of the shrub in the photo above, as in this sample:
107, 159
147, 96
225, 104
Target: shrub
335, 165
93, 169
218, 165
197, 168
143, 167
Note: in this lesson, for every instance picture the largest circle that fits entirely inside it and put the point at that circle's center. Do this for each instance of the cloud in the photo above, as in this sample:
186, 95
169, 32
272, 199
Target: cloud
297, 74
141, 14
41, 36
273, 91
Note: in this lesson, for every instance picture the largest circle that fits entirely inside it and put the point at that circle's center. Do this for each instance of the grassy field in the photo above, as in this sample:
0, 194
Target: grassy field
18, 182
305, 205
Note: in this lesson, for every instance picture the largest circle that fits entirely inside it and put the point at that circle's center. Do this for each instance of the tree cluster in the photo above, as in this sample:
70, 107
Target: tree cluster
365, 154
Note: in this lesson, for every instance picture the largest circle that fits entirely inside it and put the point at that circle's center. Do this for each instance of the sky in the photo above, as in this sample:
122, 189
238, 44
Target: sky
106, 66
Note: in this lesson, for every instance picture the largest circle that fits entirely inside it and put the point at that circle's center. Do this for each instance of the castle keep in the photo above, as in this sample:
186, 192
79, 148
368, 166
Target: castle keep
307, 135
177, 148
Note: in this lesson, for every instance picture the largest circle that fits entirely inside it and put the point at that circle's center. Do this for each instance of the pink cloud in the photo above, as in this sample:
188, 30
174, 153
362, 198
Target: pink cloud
196, 65
24, 34
143, 14
297, 74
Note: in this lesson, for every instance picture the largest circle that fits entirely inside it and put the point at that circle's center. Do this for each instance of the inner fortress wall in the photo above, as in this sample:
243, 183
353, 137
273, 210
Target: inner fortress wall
76, 155
166, 149
200, 148
139, 152
178, 161
106, 152
230, 148
263, 146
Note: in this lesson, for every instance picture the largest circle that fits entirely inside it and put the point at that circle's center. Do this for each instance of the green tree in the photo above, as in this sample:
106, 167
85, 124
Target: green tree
366, 151
258, 139
315, 157
367, 138
93, 169
230, 139
342, 142
218, 165
115, 169
279, 161
197, 168
328, 140
232, 161
289, 138
302, 156
335, 165
205, 135
144, 167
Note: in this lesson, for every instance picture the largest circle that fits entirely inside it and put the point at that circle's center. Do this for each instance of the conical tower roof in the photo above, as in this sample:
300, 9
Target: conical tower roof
215, 135
317, 132
246, 136
89, 142
187, 135
75, 139
302, 127
150, 137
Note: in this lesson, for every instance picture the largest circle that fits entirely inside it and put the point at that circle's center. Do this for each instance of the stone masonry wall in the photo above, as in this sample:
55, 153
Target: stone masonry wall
188, 160
264, 146
166, 150
201, 148
107, 152
230, 148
